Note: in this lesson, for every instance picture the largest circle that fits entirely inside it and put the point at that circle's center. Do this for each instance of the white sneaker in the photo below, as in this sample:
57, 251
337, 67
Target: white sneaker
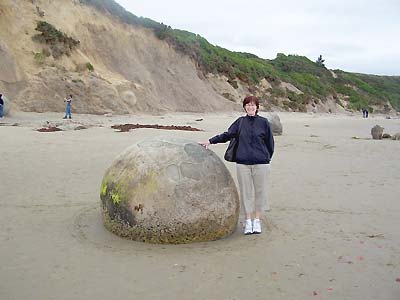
248, 227
256, 226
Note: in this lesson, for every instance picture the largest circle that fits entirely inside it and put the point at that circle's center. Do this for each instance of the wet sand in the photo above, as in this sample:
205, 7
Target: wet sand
333, 231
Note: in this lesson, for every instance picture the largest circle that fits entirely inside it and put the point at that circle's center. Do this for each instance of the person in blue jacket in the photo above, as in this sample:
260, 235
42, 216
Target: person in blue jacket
1, 106
253, 155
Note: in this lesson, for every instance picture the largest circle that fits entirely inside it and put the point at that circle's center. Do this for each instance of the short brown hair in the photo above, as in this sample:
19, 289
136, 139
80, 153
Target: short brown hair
251, 99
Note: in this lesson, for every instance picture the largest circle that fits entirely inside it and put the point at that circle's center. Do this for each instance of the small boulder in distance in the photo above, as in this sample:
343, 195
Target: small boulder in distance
275, 123
396, 136
377, 132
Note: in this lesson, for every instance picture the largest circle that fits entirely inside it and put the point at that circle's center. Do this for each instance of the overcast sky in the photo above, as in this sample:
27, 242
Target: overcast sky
352, 35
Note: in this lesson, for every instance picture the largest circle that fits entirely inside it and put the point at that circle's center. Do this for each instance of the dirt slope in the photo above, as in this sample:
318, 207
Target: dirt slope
133, 70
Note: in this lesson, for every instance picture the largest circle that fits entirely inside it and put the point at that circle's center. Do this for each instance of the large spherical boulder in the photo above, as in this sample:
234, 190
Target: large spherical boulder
169, 191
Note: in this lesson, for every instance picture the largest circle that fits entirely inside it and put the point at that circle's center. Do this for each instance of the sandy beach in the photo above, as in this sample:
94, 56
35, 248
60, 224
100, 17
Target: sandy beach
333, 231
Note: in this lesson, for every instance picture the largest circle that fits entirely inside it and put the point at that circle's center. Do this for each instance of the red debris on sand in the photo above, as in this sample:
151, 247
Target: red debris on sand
127, 127
398, 279
329, 289
361, 258
49, 129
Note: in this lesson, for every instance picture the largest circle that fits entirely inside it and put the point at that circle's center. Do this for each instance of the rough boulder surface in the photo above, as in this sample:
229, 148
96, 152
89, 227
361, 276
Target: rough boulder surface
169, 191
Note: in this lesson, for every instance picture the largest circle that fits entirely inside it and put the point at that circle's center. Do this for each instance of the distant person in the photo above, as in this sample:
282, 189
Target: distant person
1, 106
253, 155
68, 104
365, 112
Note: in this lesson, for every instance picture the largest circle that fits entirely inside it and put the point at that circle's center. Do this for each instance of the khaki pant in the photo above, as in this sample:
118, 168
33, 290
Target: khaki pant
253, 185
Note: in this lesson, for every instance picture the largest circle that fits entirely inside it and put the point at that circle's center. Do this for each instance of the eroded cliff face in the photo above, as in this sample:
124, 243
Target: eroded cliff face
133, 70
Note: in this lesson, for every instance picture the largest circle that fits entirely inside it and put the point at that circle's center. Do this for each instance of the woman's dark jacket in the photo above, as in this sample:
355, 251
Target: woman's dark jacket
256, 142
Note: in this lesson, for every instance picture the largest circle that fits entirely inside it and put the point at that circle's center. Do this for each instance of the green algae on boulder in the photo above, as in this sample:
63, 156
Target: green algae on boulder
169, 191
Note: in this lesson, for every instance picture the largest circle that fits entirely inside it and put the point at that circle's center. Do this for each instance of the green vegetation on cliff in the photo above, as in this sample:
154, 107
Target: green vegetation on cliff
312, 78
58, 42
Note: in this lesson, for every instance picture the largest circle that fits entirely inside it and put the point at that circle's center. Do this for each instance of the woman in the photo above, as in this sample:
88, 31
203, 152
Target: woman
253, 155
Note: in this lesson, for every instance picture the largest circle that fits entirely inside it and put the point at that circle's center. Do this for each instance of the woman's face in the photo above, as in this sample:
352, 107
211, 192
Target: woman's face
250, 108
